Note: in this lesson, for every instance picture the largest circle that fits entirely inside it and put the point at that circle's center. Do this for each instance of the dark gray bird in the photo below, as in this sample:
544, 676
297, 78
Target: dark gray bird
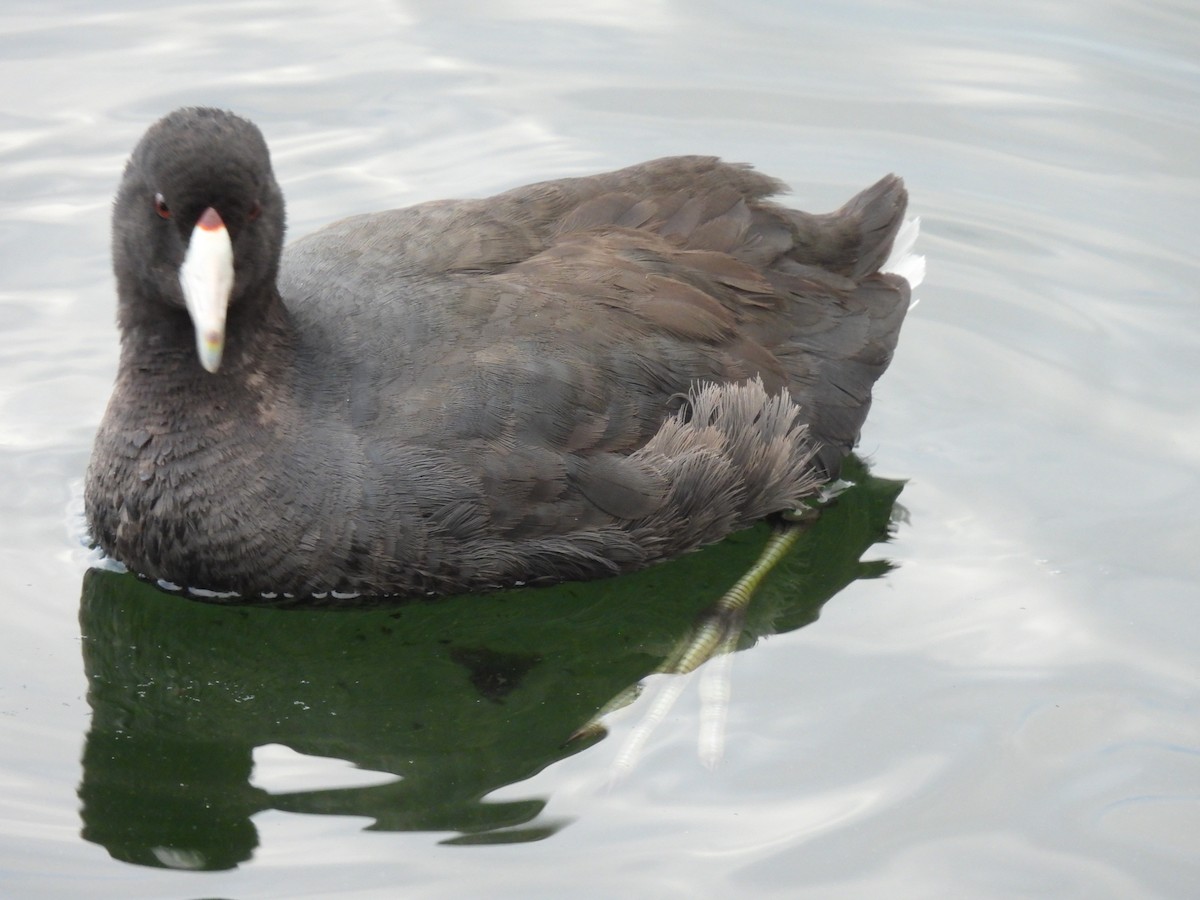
565, 381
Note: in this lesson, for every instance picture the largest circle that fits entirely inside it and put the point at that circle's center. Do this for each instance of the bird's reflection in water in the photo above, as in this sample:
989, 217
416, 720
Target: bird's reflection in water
456, 697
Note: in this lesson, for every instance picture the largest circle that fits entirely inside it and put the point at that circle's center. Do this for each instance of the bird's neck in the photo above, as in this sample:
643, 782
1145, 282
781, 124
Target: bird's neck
160, 374
159, 341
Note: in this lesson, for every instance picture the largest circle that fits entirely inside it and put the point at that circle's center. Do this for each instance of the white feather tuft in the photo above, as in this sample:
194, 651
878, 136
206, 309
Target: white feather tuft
903, 261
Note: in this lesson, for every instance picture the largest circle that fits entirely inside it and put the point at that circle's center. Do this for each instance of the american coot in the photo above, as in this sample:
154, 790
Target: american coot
565, 381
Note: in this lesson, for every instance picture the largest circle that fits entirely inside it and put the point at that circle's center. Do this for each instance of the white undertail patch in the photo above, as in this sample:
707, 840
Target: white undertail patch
903, 261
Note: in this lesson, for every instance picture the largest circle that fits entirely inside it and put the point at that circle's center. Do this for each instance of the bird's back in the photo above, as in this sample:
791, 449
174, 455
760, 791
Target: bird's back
572, 314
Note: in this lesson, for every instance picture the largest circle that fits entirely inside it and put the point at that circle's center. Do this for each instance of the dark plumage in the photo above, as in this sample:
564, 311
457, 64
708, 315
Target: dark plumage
465, 395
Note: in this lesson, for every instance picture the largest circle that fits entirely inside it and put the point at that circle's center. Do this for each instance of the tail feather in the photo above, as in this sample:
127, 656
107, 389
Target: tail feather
855, 240
877, 213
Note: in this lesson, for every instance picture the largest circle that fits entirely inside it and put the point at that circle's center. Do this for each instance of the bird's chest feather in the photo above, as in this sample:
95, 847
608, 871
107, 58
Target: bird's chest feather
160, 488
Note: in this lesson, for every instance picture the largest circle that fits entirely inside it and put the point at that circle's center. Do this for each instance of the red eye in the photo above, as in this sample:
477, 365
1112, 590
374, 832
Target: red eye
160, 207
255, 211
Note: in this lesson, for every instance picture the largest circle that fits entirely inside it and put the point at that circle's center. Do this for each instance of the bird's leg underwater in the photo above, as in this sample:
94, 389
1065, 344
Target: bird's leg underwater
712, 639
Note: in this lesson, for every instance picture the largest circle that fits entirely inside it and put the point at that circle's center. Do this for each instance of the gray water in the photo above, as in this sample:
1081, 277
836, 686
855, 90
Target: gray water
1013, 708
